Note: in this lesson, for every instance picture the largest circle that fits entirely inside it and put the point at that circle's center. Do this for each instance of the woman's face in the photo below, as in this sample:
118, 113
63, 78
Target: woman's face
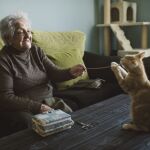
22, 38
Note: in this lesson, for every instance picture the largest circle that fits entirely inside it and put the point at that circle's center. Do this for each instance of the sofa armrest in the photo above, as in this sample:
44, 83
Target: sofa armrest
92, 60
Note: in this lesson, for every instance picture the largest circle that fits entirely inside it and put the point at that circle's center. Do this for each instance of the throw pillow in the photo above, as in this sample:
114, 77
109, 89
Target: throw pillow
65, 49
67, 59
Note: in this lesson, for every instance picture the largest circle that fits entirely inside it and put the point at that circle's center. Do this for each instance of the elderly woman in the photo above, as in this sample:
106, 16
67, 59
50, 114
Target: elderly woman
26, 73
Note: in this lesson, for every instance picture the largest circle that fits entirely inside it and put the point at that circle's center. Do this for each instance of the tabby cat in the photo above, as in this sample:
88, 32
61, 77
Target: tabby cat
133, 80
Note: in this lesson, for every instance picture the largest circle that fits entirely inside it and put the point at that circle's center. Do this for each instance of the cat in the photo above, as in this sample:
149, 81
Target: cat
133, 80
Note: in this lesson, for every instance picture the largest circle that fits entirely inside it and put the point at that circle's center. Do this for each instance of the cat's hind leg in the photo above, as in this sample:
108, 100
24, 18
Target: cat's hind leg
132, 126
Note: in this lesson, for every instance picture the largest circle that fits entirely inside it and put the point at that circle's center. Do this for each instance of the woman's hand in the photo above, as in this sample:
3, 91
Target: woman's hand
77, 70
45, 109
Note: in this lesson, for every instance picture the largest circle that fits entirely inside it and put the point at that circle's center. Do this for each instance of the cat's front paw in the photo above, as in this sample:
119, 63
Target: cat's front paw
126, 126
114, 65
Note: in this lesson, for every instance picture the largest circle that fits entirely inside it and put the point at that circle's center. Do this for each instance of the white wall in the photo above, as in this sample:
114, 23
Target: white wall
58, 15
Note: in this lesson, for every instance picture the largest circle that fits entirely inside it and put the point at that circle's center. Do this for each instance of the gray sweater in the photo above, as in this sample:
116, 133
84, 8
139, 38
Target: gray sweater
25, 79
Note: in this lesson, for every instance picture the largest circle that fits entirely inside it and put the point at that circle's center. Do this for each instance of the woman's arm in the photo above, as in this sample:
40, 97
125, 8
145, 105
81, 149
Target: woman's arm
9, 101
57, 74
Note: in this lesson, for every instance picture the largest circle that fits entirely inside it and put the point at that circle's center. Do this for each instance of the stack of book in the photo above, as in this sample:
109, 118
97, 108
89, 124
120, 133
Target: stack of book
49, 123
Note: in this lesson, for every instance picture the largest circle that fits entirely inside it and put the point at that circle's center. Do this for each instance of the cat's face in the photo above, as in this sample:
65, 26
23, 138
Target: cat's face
130, 62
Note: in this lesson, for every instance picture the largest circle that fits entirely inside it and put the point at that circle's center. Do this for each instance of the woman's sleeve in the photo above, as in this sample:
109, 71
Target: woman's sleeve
9, 101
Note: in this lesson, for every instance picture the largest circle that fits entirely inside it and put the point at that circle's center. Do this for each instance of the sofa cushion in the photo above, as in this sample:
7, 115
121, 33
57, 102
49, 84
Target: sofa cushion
85, 97
65, 49
66, 59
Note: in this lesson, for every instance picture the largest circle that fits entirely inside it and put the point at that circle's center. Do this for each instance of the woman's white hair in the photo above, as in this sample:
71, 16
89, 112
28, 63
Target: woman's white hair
7, 24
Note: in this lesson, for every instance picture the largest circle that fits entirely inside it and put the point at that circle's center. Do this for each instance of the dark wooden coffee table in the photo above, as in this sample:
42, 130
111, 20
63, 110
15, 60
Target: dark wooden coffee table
105, 134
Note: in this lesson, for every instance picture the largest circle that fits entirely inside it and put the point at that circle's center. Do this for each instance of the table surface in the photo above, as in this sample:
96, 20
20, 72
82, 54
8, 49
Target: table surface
106, 133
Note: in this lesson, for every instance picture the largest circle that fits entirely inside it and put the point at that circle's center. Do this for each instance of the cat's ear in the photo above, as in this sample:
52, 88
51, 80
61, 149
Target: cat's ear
140, 55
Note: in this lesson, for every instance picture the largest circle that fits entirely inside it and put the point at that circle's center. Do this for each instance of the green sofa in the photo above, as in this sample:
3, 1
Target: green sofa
66, 49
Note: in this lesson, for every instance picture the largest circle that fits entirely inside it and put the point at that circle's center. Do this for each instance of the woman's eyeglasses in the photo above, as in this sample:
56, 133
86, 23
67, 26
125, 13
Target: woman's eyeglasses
22, 33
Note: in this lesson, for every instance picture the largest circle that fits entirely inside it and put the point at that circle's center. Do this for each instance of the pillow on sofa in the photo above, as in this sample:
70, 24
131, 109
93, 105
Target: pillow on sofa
65, 49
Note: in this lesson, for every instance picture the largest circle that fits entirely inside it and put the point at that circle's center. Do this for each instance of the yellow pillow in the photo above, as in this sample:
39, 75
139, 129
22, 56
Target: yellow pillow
65, 49
67, 59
